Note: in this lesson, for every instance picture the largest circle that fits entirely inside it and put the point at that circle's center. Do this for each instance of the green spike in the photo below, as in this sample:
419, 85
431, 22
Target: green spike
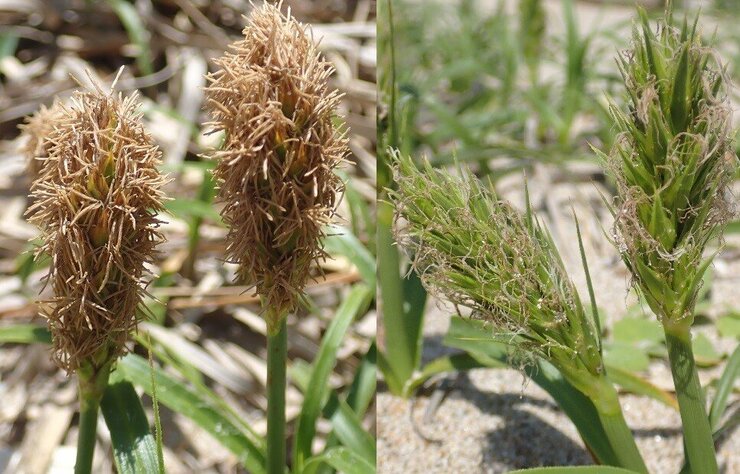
680, 82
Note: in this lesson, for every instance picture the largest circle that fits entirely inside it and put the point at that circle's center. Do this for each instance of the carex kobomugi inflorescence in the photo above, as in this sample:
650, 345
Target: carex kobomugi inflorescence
672, 162
36, 131
475, 250
96, 200
270, 97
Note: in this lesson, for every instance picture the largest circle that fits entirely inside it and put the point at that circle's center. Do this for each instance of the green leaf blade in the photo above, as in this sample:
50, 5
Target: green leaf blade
322, 367
25, 334
134, 446
180, 398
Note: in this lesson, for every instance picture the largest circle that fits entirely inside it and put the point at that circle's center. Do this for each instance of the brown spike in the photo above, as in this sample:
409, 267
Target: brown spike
275, 170
96, 200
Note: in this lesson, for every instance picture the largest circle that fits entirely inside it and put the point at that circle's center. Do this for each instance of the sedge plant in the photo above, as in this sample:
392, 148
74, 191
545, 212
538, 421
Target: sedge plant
270, 97
96, 198
672, 162
477, 251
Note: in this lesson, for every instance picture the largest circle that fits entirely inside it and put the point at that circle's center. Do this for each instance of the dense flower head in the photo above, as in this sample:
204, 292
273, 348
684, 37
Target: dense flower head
477, 251
672, 162
36, 131
95, 201
270, 97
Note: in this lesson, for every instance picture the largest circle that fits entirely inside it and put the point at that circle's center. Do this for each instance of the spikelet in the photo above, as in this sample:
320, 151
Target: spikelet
36, 131
475, 250
96, 201
672, 161
275, 169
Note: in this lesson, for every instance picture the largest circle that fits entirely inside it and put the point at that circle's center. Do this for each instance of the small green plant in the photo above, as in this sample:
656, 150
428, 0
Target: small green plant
532, 34
672, 161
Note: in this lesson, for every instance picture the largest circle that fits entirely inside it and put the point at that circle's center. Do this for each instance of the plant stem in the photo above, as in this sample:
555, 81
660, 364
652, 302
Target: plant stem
92, 383
205, 195
616, 429
277, 349
698, 441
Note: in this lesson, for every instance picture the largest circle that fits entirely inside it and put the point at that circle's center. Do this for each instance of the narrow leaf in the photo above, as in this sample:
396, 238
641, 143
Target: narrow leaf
25, 334
341, 241
341, 459
134, 446
633, 383
178, 397
451, 363
724, 388
322, 367
591, 296
574, 469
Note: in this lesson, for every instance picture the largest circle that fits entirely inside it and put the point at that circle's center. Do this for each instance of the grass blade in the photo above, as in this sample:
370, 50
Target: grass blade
451, 363
341, 459
632, 383
180, 398
362, 391
360, 394
322, 367
349, 431
137, 32
341, 241
134, 446
724, 388
574, 470
25, 334
594, 309
158, 436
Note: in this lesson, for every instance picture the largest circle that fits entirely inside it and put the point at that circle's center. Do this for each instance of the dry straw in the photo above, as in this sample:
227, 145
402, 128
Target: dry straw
270, 97
96, 198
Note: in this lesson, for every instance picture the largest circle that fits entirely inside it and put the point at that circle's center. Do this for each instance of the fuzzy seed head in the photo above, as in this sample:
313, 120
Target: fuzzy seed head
96, 201
672, 162
275, 168
36, 131
475, 250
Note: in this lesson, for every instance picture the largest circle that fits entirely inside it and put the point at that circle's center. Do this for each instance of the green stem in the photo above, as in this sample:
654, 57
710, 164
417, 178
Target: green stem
277, 350
697, 434
616, 429
205, 194
92, 383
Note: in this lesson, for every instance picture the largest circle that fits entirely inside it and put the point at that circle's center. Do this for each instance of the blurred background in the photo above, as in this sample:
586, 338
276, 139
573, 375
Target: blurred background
510, 88
206, 335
